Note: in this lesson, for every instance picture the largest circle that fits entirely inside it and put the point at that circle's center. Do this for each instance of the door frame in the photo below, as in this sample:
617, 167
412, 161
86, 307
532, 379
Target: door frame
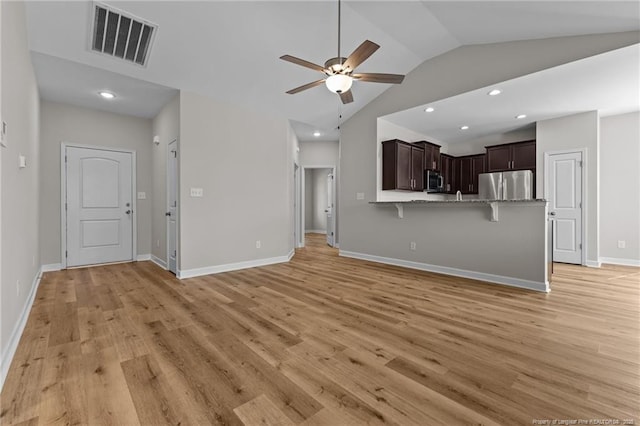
302, 206
583, 207
63, 197
297, 230
177, 205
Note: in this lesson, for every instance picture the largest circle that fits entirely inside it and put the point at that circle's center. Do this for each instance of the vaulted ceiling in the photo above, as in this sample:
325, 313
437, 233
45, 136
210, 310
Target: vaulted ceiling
229, 50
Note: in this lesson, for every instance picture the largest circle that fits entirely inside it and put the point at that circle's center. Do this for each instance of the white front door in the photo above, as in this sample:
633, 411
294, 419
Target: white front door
330, 209
99, 205
172, 208
565, 206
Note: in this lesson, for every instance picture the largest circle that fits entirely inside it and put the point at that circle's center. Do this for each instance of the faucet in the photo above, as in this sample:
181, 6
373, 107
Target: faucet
458, 196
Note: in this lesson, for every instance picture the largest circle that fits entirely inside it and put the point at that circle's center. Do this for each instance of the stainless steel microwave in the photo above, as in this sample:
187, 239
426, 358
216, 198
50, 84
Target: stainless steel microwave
433, 181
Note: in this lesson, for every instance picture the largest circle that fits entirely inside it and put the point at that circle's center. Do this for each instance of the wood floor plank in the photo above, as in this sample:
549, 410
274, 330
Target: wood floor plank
261, 411
325, 340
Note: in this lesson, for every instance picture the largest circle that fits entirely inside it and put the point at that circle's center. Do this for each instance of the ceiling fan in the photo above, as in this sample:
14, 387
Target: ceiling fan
339, 71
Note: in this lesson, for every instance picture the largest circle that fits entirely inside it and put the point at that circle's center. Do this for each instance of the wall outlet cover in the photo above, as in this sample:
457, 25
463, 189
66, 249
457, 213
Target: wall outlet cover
142, 195
197, 192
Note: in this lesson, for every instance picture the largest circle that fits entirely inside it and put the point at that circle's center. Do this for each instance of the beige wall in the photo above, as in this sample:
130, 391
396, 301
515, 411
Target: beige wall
20, 186
74, 125
166, 125
243, 160
373, 230
620, 188
575, 132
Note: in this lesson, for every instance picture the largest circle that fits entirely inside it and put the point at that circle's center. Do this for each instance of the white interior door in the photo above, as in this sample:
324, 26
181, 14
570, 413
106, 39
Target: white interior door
565, 206
172, 208
330, 209
99, 206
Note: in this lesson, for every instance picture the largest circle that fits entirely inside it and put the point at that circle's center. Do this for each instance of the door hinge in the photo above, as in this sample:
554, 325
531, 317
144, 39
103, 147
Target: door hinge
65, 206
580, 163
65, 158
66, 254
580, 246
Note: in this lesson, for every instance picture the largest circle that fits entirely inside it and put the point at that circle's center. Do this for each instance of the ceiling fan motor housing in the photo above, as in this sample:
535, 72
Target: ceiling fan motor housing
335, 65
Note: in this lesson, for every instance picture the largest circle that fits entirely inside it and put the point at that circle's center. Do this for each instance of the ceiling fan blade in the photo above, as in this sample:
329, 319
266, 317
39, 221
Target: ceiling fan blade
305, 87
366, 49
379, 78
346, 97
302, 62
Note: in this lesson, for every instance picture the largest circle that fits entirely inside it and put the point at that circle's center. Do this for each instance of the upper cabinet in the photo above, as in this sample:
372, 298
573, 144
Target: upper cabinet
468, 169
447, 169
512, 156
431, 155
402, 166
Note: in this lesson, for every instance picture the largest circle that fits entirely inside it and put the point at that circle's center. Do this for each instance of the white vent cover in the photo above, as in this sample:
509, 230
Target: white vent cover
122, 35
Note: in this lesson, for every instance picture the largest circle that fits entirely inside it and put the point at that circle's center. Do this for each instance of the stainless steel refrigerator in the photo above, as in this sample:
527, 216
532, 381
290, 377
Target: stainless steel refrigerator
517, 185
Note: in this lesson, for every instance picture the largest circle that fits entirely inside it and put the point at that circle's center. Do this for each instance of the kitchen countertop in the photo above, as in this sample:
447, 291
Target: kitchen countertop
537, 200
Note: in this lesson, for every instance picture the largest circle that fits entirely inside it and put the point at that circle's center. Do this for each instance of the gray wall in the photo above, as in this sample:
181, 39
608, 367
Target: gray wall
65, 123
166, 125
574, 132
371, 229
620, 187
243, 160
19, 228
308, 199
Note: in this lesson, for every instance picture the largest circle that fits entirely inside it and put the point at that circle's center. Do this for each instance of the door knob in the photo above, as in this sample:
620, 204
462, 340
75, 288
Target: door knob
128, 212
552, 213
167, 214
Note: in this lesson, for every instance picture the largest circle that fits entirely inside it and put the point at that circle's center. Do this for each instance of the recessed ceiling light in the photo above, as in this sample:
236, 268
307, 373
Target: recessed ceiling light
316, 133
107, 95
464, 127
494, 92
521, 116
430, 109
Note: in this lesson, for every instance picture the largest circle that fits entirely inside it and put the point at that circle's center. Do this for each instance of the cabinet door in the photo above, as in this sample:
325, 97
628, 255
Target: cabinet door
417, 168
435, 158
477, 167
498, 158
404, 166
523, 156
465, 175
445, 170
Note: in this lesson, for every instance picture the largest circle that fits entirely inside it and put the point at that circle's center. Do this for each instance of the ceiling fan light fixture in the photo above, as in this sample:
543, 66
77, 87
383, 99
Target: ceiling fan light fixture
339, 83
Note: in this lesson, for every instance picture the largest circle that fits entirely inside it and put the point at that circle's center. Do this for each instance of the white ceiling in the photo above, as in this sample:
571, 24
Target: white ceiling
229, 50
609, 83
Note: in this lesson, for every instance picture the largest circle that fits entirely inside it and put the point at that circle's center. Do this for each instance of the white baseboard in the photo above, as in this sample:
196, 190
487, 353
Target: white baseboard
620, 261
497, 279
143, 257
52, 267
315, 231
593, 264
161, 263
208, 270
10, 351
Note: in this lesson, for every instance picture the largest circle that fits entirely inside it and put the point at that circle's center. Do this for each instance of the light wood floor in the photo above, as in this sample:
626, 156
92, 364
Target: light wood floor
325, 340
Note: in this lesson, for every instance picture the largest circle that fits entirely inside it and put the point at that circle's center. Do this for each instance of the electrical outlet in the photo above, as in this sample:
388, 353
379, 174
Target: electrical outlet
258, 244
359, 195
197, 192
142, 195
413, 245
622, 244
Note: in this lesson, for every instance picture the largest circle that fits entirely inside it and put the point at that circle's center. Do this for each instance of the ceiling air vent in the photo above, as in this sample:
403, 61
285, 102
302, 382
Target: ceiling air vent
116, 33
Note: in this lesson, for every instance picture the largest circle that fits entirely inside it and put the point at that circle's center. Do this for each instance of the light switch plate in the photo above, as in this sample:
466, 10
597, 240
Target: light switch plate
22, 161
197, 192
3, 134
142, 195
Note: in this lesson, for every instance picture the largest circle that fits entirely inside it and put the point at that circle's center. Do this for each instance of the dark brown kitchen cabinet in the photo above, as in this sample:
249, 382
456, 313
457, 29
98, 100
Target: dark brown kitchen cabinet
512, 156
448, 173
431, 155
402, 166
469, 167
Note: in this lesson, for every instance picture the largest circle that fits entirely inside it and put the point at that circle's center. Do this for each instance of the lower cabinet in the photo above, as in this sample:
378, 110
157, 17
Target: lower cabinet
402, 166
